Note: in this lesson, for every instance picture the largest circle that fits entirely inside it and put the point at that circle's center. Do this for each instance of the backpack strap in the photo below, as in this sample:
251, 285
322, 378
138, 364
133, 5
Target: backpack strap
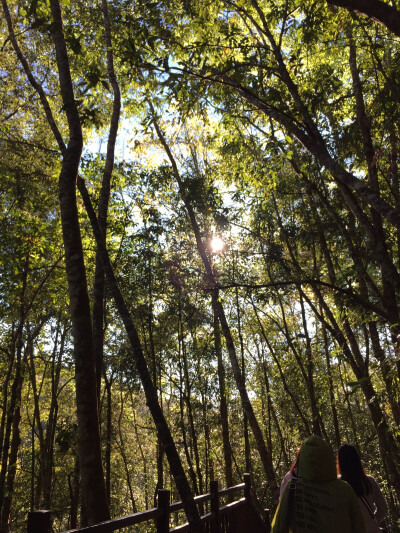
292, 496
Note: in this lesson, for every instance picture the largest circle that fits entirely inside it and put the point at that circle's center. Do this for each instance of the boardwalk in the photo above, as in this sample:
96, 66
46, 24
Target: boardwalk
238, 516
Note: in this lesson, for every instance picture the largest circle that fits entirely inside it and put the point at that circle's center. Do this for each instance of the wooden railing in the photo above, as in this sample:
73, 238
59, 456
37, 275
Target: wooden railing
244, 514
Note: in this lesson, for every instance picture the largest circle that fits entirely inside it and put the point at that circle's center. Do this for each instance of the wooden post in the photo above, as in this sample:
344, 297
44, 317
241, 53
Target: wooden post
214, 506
247, 487
39, 522
163, 506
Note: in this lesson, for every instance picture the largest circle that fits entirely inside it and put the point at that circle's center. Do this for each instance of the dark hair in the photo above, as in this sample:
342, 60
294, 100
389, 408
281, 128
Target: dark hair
351, 469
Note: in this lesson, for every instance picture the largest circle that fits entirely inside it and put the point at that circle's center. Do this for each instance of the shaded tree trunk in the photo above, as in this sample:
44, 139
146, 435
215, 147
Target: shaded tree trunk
223, 407
274, 415
317, 422
247, 455
90, 461
145, 376
12, 411
182, 424
104, 198
108, 386
376, 10
335, 417
15, 418
74, 494
388, 372
306, 430
125, 459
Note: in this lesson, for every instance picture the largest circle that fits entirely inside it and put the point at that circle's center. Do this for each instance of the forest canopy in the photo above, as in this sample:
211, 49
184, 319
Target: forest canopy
200, 248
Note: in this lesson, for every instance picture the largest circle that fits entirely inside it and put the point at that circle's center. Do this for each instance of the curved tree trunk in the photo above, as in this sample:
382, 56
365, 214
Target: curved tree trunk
90, 461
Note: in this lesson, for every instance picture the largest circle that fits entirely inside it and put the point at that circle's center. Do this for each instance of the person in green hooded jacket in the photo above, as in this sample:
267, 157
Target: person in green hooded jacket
317, 502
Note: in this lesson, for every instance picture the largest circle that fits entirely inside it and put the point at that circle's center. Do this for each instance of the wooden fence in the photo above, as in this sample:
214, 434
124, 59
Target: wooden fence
242, 515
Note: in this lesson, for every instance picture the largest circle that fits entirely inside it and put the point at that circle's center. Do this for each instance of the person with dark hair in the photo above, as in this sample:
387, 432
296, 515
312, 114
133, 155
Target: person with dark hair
291, 473
316, 501
371, 500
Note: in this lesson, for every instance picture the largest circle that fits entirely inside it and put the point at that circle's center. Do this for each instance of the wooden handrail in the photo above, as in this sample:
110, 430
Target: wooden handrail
118, 523
39, 521
232, 490
178, 506
210, 516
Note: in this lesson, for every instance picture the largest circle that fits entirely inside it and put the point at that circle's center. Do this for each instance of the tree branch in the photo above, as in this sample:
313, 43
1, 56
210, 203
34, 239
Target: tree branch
376, 10
308, 281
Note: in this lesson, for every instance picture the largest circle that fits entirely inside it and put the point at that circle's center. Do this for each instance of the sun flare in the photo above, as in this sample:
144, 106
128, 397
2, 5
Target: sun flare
217, 244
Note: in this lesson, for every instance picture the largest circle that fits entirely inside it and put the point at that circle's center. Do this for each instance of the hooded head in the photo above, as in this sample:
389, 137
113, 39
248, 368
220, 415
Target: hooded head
316, 460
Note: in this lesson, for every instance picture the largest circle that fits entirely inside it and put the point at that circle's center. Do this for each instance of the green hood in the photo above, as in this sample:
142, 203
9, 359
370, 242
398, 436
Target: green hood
316, 460
318, 501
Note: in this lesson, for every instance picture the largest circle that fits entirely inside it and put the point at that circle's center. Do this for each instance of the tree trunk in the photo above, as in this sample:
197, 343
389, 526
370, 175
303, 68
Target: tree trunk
104, 198
90, 461
310, 374
266, 459
188, 401
145, 376
74, 494
125, 459
386, 265
247, 451
265, 456
376, 10
108, 387
223, 408
12, 411
388, 374
52, 419
12, 464
335, 417
182, 424
274, 415
349, 408
306, 430
4, 428
389, 447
